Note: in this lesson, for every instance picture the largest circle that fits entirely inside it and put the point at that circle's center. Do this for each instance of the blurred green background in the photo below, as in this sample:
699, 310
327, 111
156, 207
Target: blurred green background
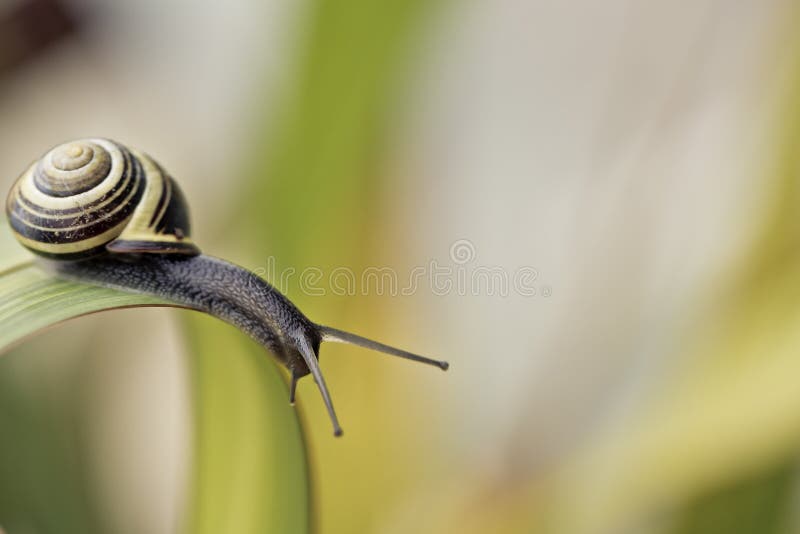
639, 161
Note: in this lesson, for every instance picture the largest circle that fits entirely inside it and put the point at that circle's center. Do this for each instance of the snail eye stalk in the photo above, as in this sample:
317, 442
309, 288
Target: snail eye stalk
313, 365
340, 336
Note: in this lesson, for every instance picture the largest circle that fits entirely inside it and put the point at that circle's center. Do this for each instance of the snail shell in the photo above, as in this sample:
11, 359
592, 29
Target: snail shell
92, 196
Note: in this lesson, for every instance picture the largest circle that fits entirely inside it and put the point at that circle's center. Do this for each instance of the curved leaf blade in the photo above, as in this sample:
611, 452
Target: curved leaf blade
32, 300
251, 472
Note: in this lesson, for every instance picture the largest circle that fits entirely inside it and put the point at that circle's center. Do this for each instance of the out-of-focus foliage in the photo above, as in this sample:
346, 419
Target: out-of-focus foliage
314, 200
757, 483
758, 505
317, 171
45, 476
716, 448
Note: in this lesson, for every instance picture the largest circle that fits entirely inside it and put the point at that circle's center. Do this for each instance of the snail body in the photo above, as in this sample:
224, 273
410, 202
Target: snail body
95, 211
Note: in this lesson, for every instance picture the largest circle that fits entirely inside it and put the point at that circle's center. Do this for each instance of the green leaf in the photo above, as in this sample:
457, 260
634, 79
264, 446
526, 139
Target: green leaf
251, 473
32, 300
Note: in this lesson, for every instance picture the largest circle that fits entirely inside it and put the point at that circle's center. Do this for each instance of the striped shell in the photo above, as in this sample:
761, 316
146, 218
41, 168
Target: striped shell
93, 196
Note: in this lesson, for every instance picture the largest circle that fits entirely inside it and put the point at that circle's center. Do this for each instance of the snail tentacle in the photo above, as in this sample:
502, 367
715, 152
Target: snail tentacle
310, 357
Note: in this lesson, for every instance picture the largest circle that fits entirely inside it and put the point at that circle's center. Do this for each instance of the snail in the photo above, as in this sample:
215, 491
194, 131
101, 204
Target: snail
98, 212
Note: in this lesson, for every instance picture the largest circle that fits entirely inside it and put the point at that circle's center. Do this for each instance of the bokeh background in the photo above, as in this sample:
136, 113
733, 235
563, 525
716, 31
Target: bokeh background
642, 158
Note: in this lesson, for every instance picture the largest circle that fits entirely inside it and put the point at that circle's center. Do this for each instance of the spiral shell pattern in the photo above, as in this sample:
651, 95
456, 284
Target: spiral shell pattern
82, 196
